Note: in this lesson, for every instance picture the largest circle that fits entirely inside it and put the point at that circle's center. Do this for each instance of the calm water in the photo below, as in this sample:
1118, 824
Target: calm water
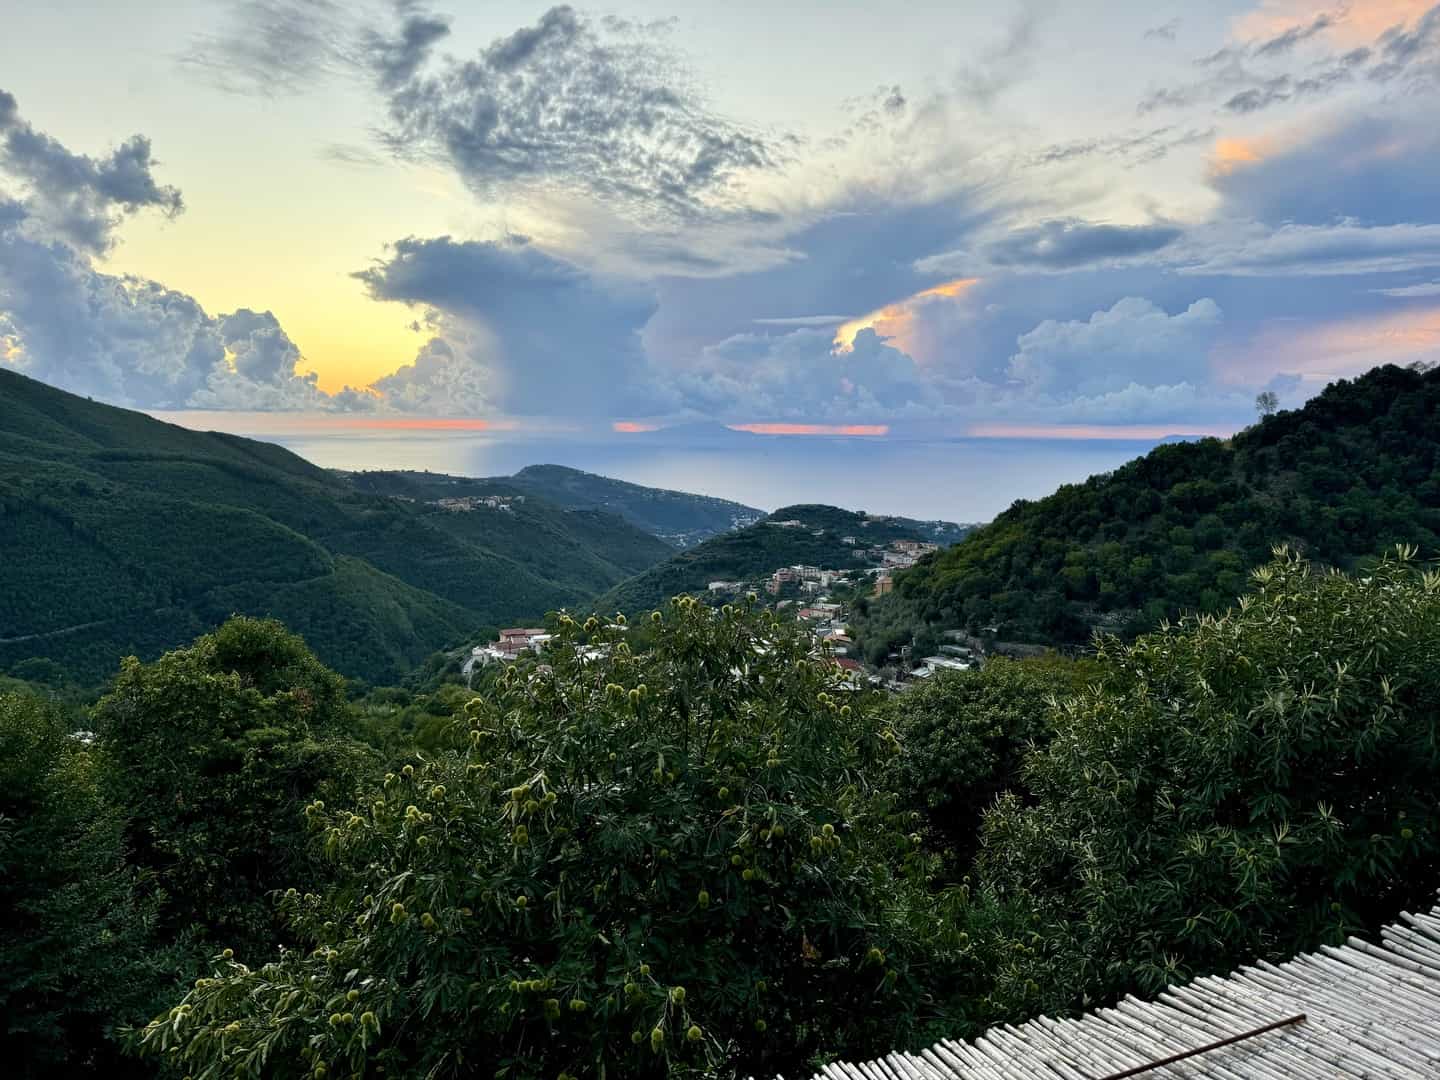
958, 480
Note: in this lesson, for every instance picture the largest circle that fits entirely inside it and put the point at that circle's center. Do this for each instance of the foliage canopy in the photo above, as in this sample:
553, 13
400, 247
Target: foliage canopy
647, 864
1238, 787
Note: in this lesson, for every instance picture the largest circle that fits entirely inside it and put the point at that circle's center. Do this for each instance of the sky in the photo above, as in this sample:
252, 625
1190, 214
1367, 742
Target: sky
912, 219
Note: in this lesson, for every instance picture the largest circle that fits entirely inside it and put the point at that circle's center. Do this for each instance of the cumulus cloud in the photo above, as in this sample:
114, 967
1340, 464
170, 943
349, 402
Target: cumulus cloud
801, 375
441, 379
1134, 341
125, 339
540, 334
1066, 244
79, 198
135, 342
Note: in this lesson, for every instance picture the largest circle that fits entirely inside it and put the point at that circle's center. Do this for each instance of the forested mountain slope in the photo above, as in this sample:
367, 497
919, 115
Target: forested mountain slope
120, 534
586, 550
766, 546
679, 517
1354, 472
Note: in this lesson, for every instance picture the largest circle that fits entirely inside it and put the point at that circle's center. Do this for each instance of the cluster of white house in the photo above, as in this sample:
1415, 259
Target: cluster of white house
513, 643
464, 504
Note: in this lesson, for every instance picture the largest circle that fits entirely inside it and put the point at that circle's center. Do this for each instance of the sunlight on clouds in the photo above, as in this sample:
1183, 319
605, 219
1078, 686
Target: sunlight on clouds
1231, 155
895, 322
630, 427
1334, 350
1358, 23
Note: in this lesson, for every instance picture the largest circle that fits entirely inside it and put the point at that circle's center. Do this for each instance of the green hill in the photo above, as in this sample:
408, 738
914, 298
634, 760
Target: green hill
760, 549
587, 550
679, 517
121, 534
1354, 472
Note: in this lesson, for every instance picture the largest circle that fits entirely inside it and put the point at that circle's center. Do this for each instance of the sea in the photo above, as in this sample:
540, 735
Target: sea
953, 479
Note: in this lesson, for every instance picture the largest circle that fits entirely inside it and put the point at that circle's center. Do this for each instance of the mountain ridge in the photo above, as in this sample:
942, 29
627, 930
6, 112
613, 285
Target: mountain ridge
127, 534
1353, 472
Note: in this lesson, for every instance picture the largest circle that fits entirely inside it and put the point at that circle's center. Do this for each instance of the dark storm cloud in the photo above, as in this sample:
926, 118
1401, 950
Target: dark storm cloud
521, 329
1063, 245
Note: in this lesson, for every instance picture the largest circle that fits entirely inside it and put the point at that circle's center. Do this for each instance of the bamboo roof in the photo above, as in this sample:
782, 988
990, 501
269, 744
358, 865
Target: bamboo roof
1361, 1010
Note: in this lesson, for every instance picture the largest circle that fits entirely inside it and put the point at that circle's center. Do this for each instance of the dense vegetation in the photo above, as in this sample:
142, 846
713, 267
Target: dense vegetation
966, 736
120, 534
213, 750
648, 864
1242, 786
1352, 473
678, 846
76, 952
679, 517
690, 851
765, 547
583, 549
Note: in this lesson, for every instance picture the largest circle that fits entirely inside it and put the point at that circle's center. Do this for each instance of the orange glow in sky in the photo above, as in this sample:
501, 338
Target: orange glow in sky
1360, 22
1334, 350
895, 320
629, 427
1091, 431
812, 429
1231, 155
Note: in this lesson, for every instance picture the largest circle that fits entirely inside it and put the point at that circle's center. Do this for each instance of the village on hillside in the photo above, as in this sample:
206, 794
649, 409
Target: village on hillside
820, 598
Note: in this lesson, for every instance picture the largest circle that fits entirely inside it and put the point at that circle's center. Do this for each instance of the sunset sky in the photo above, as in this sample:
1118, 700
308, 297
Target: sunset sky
834, 217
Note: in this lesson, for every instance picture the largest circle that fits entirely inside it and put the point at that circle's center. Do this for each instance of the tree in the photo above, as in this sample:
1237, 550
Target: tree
666, 863
965, 735
1252, 785
76, 956
212, 752
1266, 403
